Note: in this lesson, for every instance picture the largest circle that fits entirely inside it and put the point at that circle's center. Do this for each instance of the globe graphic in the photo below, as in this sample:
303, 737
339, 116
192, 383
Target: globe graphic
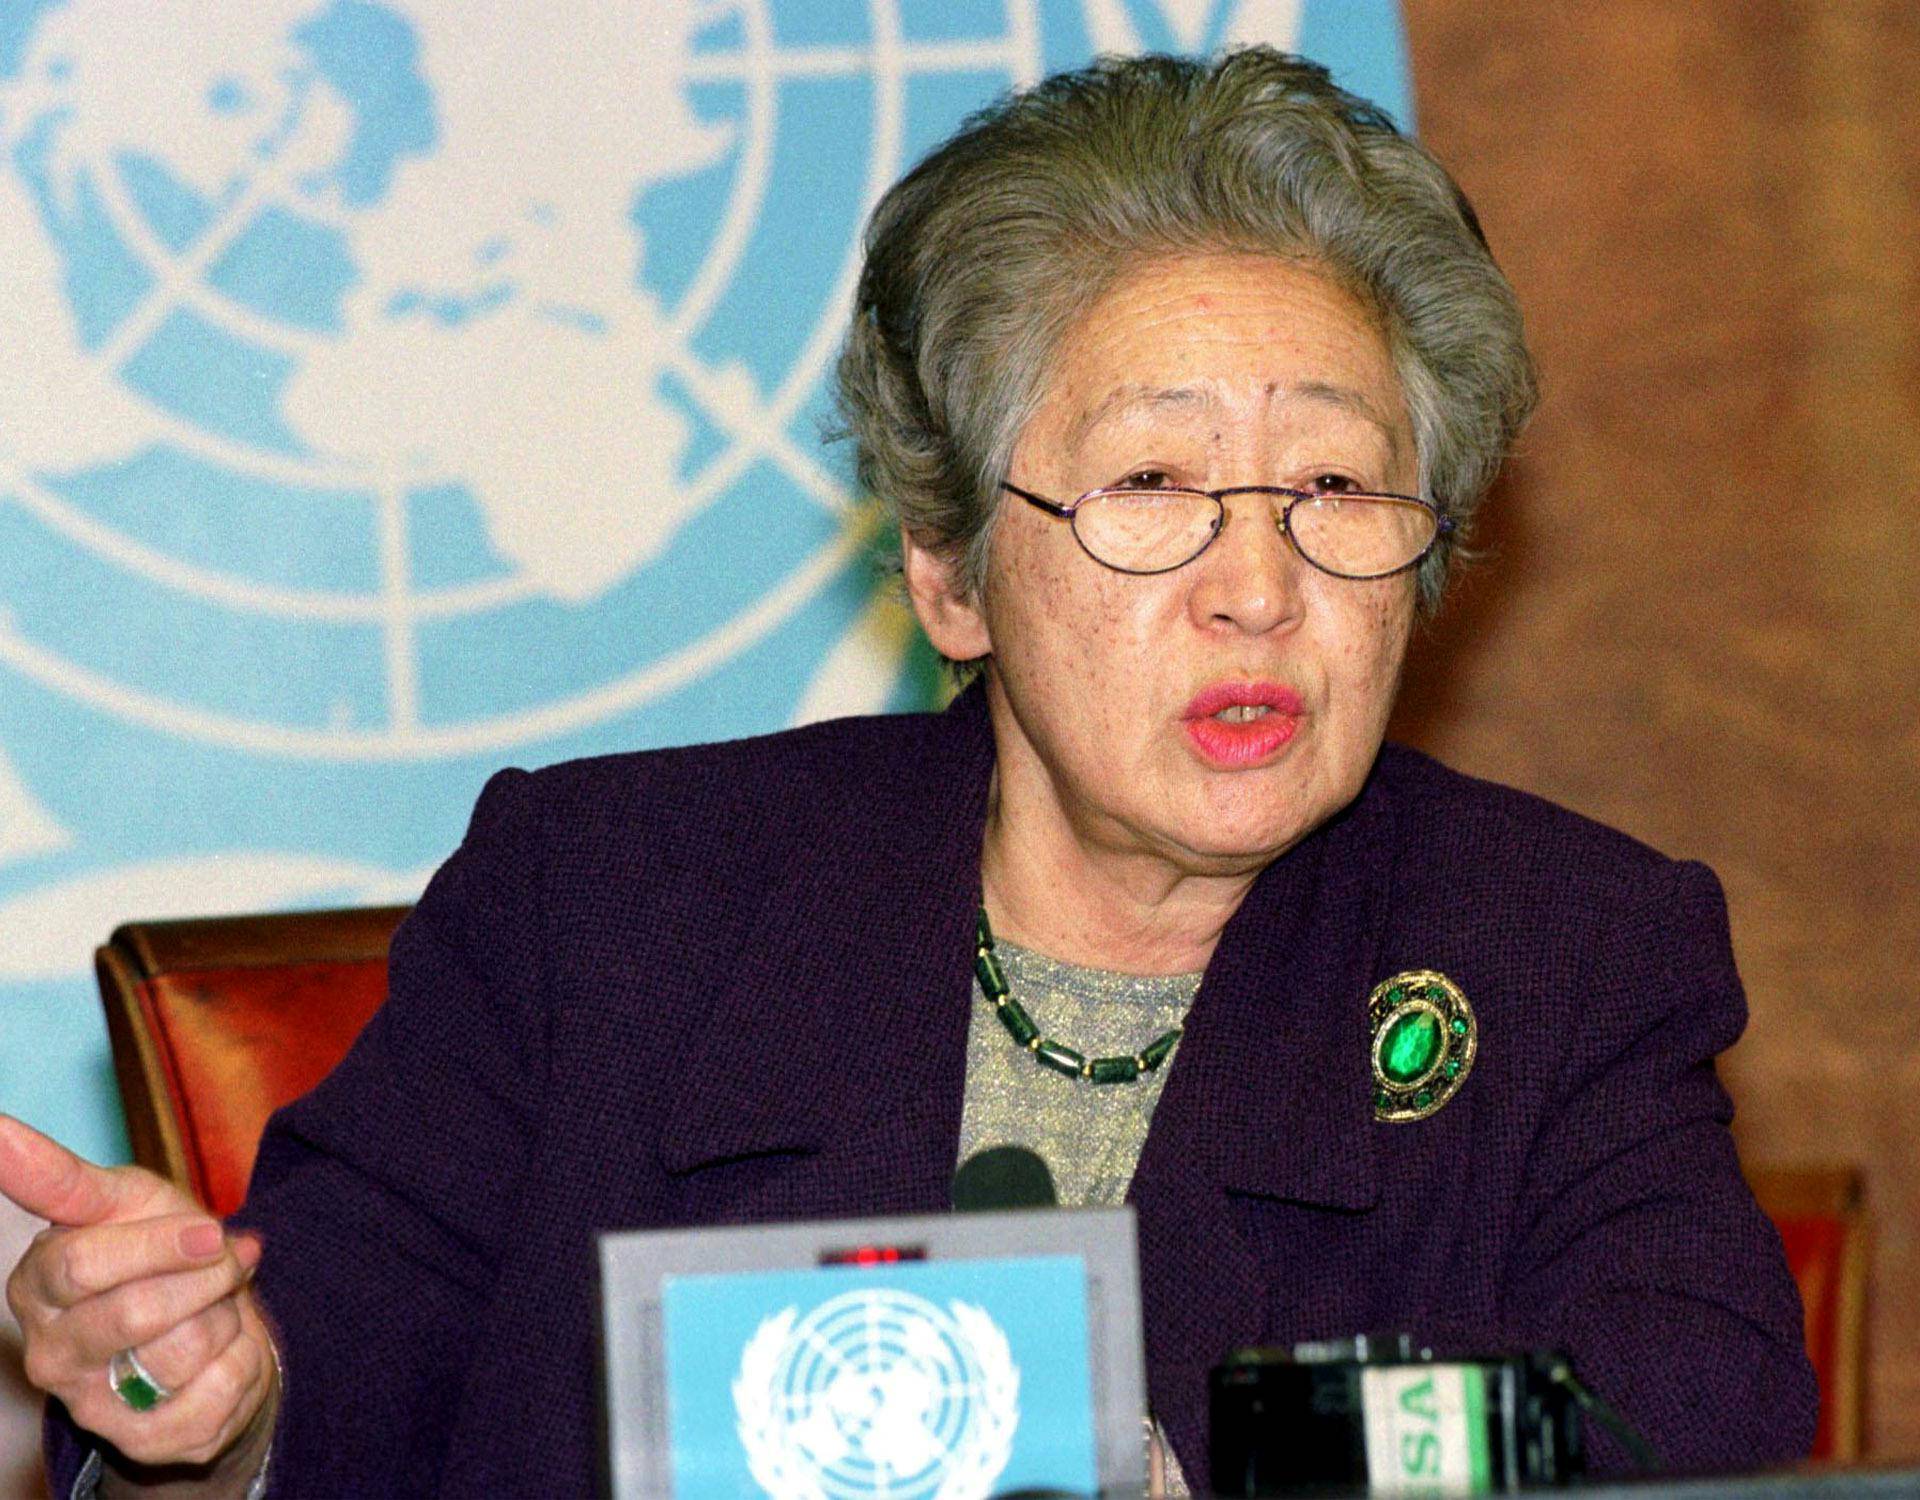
878, 1389
408, 441
397, 389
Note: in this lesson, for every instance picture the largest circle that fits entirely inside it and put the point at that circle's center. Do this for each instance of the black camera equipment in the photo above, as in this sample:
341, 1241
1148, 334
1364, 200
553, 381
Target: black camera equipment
1383, 1416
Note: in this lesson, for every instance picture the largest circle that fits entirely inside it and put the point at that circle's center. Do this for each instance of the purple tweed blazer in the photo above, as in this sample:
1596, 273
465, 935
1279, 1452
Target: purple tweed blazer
731, 983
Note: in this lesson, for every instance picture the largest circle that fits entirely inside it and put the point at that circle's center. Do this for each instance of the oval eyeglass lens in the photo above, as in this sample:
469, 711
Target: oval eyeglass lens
1145, 531
1362, 536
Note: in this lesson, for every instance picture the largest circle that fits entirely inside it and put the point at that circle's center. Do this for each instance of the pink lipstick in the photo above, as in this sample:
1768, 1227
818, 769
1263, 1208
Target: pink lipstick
1234, 725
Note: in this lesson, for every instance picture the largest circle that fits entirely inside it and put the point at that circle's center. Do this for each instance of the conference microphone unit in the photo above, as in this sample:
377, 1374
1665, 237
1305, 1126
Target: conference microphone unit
1385, 1416
993, 1351
1003, 1177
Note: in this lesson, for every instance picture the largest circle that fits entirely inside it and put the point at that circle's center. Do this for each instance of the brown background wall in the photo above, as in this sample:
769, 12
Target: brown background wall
1699, 619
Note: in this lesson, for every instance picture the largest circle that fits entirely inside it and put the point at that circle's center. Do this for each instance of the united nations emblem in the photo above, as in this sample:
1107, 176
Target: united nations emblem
877, 1393
1425, 1038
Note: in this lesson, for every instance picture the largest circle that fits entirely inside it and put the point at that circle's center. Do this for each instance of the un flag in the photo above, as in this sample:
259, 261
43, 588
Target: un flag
398, 390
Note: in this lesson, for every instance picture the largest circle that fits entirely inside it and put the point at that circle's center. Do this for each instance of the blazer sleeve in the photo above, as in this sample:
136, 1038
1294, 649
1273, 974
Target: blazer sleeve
382, 1196
1641, 1252
379, 1196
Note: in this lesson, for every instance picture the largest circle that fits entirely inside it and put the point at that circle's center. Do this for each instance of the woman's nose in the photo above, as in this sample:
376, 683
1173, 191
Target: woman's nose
1251, 578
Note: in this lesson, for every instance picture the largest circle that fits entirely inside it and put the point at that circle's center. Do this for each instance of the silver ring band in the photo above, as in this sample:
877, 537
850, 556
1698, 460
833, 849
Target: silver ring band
133, 1382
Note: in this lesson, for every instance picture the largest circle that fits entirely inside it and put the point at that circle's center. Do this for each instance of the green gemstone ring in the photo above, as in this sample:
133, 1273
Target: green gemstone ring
133, 1382
1424, 1042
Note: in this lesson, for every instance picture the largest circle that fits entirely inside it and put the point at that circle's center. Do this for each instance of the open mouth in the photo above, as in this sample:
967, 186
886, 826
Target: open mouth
1234, 725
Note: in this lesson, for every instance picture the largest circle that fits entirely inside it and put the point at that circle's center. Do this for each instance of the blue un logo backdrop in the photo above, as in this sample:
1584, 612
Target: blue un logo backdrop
949, 1380
394, 391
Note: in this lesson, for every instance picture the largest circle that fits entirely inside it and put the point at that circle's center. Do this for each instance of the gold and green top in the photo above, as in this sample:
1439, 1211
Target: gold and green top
1089, 1136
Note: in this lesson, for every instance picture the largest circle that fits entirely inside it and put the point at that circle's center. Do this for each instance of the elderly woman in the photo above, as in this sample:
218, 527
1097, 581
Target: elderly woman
1184, 380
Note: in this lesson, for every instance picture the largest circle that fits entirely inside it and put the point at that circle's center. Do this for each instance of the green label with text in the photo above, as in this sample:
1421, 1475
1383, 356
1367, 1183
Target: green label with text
1426, 1430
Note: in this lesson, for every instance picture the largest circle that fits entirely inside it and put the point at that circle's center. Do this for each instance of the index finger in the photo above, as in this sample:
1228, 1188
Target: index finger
46, 1179
79, 1264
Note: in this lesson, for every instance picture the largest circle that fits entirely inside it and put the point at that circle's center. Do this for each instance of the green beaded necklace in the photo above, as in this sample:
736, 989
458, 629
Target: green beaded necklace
1047, 1052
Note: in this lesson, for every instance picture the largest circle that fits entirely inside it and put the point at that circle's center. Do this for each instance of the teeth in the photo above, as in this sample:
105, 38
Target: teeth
1242, 713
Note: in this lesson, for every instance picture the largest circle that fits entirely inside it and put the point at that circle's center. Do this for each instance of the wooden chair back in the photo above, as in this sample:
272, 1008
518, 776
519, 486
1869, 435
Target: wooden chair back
216, 1022
1822, 1218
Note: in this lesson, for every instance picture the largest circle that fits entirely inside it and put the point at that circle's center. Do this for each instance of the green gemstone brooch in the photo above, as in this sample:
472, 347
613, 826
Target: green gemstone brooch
1424, 1041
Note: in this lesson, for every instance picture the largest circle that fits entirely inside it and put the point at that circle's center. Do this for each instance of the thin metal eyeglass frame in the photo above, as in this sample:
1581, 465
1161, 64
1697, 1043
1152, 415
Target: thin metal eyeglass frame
1443, 523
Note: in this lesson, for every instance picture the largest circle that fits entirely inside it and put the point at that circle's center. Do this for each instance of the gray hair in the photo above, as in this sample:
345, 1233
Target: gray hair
982, 257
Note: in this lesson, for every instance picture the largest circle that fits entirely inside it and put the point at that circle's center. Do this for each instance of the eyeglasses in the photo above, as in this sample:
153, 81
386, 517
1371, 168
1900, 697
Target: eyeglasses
1358, 536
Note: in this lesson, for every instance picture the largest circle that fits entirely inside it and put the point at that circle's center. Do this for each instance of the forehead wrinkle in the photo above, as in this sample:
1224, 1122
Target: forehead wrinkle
1347, 399
1132, 397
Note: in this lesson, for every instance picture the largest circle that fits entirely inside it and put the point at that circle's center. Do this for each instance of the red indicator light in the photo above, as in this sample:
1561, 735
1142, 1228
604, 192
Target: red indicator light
872, 1255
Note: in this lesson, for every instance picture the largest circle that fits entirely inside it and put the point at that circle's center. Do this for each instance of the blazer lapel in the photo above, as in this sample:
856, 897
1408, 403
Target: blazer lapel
1270, 1096
840, 1035
840, 1040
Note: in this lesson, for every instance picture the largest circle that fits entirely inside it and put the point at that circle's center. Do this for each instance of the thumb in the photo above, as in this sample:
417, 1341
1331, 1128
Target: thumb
46, 1179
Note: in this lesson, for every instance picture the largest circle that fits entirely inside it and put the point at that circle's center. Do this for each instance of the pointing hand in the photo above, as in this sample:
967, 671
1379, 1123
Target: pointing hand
129, 1262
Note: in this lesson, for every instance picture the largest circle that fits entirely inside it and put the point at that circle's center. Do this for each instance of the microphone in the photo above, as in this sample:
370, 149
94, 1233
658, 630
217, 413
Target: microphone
1003, 1177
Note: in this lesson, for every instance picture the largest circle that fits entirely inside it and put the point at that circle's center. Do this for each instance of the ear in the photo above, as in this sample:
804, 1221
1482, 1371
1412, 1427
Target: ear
947, 610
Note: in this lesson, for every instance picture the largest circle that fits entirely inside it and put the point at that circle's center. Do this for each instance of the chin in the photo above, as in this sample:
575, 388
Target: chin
1235, 842
1257, 818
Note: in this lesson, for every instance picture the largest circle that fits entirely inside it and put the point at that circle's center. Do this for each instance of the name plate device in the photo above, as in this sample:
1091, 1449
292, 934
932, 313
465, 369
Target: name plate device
937, 1357
1382, 1416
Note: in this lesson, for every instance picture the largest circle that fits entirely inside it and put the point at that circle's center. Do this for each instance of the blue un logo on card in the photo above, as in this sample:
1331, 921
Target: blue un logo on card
878, 1393
402, 388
